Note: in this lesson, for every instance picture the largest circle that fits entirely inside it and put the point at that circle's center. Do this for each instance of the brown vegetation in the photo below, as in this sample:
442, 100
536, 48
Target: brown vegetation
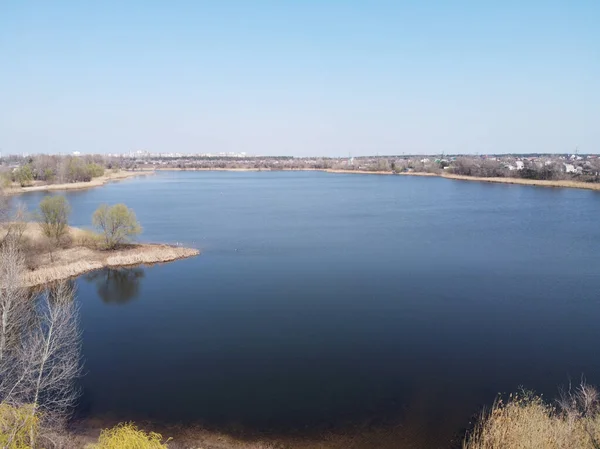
525, 421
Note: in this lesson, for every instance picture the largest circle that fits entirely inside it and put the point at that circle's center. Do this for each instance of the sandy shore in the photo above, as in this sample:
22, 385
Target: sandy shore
82, 256
96, 182
212, 169
367, 172
528, 182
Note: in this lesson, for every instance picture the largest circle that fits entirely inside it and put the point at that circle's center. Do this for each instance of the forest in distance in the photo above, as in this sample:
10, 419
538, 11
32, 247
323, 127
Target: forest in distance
43, 169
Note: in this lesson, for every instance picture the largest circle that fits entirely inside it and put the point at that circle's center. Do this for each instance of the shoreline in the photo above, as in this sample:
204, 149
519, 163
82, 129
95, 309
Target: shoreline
78, 260
126, 174
95, 182
213, 169
562, 183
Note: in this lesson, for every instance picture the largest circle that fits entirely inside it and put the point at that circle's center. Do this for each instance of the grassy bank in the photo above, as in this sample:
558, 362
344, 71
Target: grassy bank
81, 255
95, 182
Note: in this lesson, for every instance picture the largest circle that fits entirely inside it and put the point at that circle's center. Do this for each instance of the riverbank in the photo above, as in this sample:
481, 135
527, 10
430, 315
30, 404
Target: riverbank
529, 182
46, 264
95, 182
213, 169
564, 183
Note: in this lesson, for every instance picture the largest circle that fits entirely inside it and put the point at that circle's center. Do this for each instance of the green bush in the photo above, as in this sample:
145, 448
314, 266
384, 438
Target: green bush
54, 216
24, 175
17, 424
117, 224
95, 170
128, 436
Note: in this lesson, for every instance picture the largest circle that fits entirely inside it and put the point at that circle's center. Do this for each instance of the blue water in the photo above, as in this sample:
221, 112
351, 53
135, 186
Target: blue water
323, 300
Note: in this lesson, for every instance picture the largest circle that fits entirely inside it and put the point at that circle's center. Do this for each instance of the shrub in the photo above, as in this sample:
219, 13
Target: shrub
95, 170
16, 426
128, 436
24, 175
118, 224
77, 171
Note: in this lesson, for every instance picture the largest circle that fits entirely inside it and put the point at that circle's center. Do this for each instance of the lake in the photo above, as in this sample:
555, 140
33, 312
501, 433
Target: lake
322, 301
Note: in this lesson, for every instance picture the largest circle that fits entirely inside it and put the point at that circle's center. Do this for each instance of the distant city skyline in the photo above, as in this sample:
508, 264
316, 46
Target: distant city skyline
273, 78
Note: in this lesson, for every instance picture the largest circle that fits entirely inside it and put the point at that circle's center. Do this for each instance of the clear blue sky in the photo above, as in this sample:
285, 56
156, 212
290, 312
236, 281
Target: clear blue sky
300, 77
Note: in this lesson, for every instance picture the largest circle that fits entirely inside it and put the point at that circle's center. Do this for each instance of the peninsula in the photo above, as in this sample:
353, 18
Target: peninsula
45, 264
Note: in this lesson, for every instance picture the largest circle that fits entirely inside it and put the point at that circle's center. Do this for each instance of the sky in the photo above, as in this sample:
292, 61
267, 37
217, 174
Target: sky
300, 78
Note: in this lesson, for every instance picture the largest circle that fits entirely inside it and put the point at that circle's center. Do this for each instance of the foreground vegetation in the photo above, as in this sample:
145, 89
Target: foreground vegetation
526, 421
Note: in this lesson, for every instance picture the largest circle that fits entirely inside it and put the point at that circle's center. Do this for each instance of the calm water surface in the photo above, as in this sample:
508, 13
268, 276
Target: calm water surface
324, 300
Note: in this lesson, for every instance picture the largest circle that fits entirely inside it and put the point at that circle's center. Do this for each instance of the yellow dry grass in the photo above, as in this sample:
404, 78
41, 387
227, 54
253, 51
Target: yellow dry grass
526, 422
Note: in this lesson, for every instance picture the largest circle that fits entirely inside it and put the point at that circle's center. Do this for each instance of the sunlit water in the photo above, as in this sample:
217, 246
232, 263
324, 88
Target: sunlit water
324, 300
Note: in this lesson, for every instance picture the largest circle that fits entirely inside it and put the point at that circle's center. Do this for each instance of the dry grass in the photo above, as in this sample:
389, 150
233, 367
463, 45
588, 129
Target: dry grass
525, 421
66, 263
529, 182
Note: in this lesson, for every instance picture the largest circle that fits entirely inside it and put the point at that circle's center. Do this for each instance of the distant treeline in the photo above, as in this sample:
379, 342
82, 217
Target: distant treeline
54, 169
540, 167
65, 169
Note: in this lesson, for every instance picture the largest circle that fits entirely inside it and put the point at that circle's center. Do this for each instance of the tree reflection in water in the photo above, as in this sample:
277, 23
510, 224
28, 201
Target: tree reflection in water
117, 286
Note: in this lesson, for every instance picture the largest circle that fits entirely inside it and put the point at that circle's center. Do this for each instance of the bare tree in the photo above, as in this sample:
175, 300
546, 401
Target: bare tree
13, 298
50, 355
44, 370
